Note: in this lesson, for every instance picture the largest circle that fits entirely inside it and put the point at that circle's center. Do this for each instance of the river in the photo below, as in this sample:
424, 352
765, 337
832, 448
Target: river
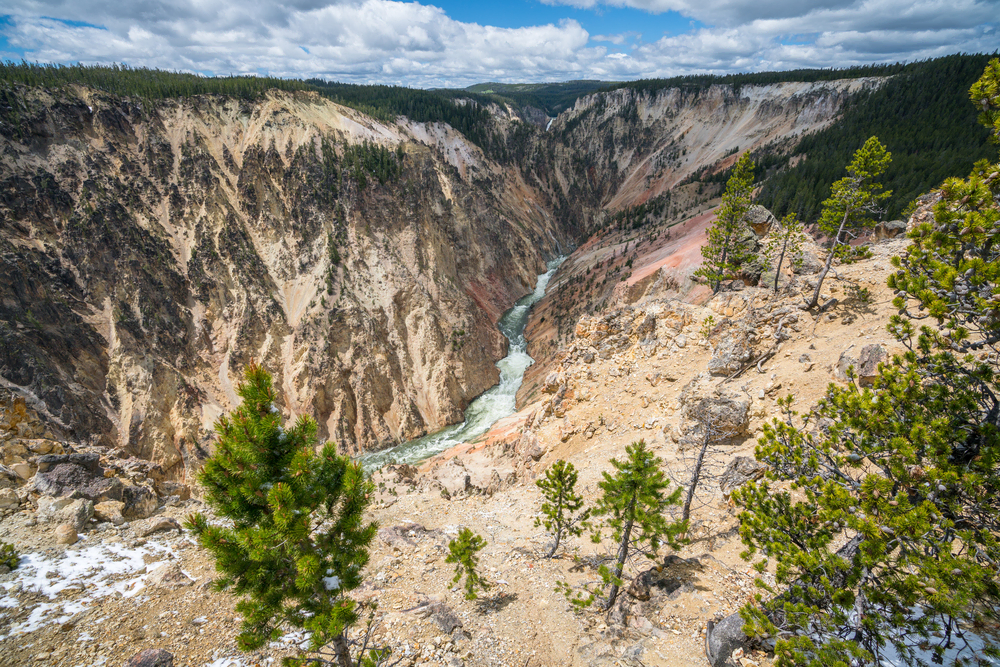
493, 404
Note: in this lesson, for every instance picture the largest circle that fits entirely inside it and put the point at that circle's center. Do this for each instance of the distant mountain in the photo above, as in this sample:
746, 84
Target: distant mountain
552, 98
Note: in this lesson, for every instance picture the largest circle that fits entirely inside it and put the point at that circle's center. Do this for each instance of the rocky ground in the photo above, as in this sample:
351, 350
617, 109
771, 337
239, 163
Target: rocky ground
107, 571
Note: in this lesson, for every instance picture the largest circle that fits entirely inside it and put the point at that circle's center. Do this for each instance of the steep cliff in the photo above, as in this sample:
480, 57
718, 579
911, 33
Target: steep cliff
150, 250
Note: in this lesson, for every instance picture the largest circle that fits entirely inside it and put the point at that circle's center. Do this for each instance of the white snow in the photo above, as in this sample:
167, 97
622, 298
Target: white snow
100, 570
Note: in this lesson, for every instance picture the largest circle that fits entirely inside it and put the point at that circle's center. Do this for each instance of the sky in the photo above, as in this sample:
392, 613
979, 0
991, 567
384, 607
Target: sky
456, 43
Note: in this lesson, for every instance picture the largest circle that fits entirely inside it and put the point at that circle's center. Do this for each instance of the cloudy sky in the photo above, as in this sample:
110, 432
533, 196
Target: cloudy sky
459, 42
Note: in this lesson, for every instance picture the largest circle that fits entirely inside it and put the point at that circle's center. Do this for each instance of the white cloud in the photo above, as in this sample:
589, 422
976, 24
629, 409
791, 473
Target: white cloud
420, 45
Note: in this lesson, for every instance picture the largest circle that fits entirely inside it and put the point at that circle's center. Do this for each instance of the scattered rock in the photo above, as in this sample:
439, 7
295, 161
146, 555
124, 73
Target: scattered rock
652, 583
168, 489
151, 657
66, 534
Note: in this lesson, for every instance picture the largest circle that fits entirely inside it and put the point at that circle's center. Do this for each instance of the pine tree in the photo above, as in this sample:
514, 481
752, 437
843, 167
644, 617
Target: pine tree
884, 529
854, 202
785, 241
299, 540
462, 551
728, 247
633, 504
561, 502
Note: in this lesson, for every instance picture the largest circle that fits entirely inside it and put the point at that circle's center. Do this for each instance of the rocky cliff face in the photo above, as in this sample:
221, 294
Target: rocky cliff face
149, 250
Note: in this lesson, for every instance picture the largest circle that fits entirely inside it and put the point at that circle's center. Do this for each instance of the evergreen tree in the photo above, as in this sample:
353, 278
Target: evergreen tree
299, 540
462, 551
633, 504
855, 201
785, 240
561, 502
728, 247
906, 477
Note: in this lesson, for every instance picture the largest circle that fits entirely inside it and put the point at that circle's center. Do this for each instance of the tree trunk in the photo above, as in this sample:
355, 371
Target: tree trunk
341, 651
829, 263
558, 521
695, 476
622, 555
781, 258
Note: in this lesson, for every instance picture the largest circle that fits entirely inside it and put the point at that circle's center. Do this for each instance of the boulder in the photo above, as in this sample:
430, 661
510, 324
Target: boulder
889, 229
845, 362
653, 583
74, 511
75, 474
867, 366
170, 576
23, 469
146, 527
9, 499
110, 511
167, 489
760, 219
8, 478
66, 534
740, 470
140, 502
151, 657
731, 354
707, 409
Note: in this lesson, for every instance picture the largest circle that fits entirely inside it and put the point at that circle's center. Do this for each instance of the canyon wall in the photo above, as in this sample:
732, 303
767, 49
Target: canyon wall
149, 250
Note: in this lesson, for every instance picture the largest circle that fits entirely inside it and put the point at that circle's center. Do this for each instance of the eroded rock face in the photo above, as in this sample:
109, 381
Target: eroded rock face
156, 250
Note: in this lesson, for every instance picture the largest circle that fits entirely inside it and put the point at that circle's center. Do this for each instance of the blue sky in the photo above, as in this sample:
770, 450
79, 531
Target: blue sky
455, 43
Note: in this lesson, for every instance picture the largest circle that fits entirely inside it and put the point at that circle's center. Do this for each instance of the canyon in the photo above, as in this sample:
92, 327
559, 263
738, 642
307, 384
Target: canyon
151, 248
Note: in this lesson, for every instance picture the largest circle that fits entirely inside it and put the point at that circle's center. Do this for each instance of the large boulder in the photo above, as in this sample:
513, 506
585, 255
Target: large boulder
889, 229
75, 474
74, 511
732, 353
140, 502
709, 410
760, 219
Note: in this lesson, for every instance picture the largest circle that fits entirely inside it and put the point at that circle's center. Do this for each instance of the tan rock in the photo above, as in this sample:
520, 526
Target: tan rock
155, 524
23, 469
66, 534
111, 511
9, 499
170, 576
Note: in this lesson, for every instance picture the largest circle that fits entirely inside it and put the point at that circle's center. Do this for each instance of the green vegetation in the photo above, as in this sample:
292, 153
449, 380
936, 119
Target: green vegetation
298, 542
923, 117
552, 98
561, 503
142, 82
786, 239
9, 555
633, 504
906, 472
462, 551
728, 247
854, 204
